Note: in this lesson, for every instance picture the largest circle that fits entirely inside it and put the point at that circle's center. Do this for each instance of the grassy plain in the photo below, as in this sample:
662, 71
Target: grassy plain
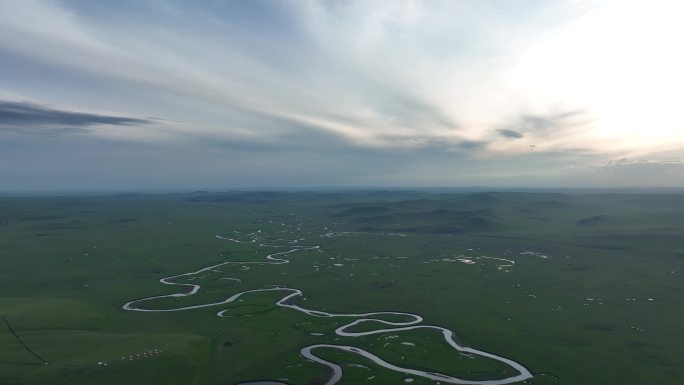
594, 296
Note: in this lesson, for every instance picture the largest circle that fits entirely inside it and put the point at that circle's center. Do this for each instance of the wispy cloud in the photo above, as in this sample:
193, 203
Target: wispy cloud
449, 84
375, 74
551, 123
632, 162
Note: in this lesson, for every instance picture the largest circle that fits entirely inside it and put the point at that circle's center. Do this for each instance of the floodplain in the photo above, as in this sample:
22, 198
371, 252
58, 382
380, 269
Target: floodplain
377, 287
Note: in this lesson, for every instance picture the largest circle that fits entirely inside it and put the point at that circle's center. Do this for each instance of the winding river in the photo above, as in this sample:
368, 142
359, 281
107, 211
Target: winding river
414, 321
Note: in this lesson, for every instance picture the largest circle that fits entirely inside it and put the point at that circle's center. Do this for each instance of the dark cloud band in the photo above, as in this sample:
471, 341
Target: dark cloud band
510, 133
34, 118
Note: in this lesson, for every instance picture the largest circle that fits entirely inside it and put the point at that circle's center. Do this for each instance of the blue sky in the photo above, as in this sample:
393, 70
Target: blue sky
170, 94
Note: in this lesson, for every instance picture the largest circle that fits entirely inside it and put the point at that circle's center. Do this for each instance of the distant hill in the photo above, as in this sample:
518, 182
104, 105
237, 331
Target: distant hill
418, 204
593, 221
364, 211
549, 204
431, 221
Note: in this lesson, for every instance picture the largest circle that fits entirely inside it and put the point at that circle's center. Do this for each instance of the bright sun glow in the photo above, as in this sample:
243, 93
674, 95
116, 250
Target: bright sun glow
621, 62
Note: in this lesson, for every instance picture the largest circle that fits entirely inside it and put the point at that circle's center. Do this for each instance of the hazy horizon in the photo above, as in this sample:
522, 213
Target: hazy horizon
349, 190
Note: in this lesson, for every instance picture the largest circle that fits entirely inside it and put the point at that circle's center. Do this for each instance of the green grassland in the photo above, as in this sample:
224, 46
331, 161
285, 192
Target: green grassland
595, 293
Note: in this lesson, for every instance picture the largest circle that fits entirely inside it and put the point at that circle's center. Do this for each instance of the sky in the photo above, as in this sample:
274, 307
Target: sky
170, 94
